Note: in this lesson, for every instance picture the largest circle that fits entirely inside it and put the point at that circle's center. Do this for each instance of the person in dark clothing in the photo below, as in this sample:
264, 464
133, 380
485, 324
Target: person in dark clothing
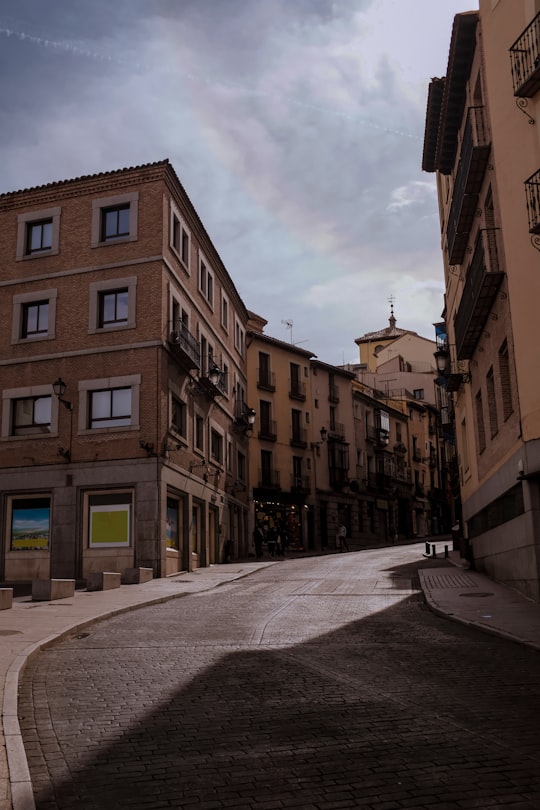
258, 537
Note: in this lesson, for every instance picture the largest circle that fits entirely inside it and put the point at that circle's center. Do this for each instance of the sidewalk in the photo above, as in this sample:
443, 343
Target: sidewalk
453, 592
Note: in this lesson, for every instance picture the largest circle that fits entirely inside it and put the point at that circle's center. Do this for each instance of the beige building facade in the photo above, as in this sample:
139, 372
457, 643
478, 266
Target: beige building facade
123, 380
482, 140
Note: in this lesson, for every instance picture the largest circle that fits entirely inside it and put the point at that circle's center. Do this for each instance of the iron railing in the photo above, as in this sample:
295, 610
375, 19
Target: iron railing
532, 190
525, 60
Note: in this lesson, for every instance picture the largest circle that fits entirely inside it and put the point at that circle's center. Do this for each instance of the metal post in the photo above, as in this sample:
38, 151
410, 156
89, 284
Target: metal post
433, 551
446, 551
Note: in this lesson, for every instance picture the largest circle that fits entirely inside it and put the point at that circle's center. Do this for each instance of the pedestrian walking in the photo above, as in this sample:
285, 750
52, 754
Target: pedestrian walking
258, 537
271, 541
342, 537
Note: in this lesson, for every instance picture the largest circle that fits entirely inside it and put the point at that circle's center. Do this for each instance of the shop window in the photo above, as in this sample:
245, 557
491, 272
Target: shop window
109, 519
29, 523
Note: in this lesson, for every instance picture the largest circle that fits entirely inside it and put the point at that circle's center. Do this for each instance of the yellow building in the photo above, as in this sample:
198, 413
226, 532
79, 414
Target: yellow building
482, 140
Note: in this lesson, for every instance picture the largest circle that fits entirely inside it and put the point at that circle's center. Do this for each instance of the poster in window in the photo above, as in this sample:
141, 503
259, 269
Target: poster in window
172, 524
109, 525
30, 524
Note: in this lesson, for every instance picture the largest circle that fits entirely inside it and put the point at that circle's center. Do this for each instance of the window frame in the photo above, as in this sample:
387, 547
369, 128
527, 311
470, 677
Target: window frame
124, 503
23, 300
183, 231
99, 288
28, 497
117, 201
88, 387
25, 221
11, 395
205, 280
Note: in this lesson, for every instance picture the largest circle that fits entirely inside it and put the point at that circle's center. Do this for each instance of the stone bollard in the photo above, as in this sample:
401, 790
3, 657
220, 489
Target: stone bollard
134, 576
103, 580
46, 590
6, 598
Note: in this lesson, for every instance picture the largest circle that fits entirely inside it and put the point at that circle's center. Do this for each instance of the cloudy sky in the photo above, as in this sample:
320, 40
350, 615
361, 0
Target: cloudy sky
296, 127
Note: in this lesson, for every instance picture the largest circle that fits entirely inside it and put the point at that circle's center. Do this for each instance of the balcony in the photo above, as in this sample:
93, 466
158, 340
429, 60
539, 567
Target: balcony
298, 438
297, 390
475, 149
481, 286
525, 60
532, 189
185, 347
336, 431
300, 483
333, 394
268, 431
338, 477
269, 479
266, 380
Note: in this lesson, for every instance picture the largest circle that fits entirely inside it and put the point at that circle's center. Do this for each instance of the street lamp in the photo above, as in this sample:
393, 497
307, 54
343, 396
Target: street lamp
59, 388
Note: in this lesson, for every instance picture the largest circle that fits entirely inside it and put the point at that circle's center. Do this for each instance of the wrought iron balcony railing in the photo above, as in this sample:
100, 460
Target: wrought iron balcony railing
268, 430
298, 437
525, 60
475, 149
185, 347
532, 189
297, 390
266, 380
484, 277
269, 479
300, 483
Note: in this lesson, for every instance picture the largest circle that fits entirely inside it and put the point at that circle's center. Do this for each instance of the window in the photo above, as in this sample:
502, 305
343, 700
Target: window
173, 522
30, 411
239, 337
480, 428
38, 234
199, 433
114, 222
31, 415
179, 416
110, 408
206, 280
418, 393
504, 373
492, 404
224, 312
241, 467
109, 403
180, 238
109, 519
114, 219
113, 304
113, 307
35, 319
216, 446
34, 316
29, 523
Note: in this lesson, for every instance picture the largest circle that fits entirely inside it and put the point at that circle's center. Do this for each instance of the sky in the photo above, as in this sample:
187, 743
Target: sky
295, 126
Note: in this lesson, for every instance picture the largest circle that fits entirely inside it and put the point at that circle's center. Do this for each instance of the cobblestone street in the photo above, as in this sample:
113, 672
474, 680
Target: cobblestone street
318, 683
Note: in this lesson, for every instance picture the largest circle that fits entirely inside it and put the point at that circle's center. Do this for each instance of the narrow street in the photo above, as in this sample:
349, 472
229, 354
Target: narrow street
317, 683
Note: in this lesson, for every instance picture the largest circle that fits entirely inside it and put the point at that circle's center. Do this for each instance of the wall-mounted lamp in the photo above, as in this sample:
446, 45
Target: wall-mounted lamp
324, 435
245, 419
448, 378
208, 384
59, 388
148, 447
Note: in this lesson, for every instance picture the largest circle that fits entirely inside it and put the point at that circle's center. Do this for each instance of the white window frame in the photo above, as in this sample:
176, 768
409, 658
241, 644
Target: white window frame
98, 287
175, 213
86, 387
28, 392
24, 220
20, 301
102, 203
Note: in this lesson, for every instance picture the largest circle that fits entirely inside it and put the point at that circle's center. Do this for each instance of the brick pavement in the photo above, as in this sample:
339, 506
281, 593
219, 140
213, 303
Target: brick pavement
319, 684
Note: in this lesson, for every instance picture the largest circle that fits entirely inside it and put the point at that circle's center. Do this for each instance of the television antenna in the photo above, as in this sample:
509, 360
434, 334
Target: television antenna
288, 325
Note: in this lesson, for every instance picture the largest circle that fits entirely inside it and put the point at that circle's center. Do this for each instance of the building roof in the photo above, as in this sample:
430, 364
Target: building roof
390, 333
279, 344
446, 97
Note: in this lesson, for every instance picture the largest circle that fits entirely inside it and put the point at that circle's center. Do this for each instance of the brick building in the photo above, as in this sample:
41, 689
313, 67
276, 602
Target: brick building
123, 379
